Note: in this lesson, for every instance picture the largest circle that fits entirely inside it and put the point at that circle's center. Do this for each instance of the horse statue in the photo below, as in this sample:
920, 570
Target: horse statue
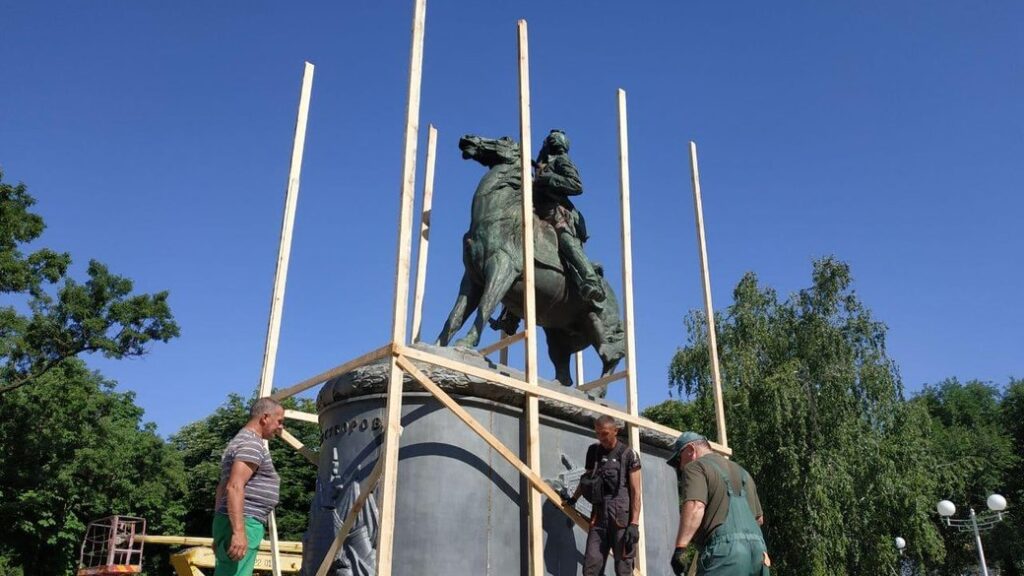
492, 253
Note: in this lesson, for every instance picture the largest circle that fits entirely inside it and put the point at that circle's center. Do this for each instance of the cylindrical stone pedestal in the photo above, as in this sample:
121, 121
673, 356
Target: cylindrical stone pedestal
461, 507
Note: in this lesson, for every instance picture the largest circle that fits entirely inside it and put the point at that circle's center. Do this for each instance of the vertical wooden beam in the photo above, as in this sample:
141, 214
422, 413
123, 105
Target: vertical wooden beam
281, 273
579, 368
393, 419
705, 277
632, 405
536, 531
425, 214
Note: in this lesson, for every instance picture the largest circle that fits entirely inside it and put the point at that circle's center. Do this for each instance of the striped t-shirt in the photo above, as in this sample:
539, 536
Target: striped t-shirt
262, 489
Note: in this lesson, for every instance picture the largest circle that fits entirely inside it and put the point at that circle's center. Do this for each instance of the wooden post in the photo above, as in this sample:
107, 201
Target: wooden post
579, 368
421, 257
632, 405
705, 277
393, 419
281, 273
536, 531
285, 247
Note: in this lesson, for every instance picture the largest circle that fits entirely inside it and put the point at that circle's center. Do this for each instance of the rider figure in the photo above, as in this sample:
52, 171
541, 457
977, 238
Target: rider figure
555, 179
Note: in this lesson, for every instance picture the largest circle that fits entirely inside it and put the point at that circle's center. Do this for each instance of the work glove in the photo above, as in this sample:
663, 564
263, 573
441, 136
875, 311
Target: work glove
570, 501
679, 562
631, 536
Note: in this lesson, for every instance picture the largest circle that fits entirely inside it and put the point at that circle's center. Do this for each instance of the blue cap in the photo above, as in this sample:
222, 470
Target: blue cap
680, 443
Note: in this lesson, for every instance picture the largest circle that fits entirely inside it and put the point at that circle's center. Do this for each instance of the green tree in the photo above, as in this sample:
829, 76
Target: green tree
101, 315
817, 416
73, 450
678, 415
973, 439
202, 443
1011, 551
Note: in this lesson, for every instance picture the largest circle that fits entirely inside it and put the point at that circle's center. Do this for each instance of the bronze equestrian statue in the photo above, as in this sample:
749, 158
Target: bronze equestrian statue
492, 253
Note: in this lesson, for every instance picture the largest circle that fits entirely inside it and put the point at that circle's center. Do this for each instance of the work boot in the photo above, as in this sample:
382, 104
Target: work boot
588, 282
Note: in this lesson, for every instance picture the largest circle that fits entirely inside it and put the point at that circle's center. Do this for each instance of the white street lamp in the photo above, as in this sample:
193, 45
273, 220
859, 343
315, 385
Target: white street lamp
946, 508
975, 523
900, 544
996, 503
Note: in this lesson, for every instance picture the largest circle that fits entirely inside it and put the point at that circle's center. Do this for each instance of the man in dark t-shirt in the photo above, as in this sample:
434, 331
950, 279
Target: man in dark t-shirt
613, 477
720, 512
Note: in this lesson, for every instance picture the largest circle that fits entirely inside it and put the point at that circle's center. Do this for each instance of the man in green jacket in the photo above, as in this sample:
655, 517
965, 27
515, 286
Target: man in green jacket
720, 512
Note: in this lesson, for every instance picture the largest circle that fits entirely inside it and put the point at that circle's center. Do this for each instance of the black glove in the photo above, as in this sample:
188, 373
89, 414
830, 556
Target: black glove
631, 536
570, 501
679, 561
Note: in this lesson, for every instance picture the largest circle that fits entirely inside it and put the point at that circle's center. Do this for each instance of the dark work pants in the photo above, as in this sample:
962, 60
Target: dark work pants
605, 535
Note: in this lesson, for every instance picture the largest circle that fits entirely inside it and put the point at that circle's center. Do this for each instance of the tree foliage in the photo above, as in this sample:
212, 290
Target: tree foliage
202, 443
1011, 536
73, 450
975, 440
815, 407
100, 315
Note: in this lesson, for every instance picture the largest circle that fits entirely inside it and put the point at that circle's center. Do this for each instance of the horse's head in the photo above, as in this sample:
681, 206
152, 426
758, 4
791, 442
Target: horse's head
488, 151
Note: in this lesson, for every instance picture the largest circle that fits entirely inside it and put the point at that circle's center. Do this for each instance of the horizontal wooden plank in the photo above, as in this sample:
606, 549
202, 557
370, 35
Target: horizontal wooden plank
541, 391
304, 416
382, 352
293, 547
502, 344
603, 381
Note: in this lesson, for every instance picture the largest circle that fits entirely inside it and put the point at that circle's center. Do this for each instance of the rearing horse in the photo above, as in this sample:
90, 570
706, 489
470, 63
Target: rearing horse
492, 253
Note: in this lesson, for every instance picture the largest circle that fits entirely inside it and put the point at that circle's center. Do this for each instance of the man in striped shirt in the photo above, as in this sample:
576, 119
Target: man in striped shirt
247, 492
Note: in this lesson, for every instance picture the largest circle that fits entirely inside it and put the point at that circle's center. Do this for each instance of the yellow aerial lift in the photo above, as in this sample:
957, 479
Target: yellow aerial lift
113, 547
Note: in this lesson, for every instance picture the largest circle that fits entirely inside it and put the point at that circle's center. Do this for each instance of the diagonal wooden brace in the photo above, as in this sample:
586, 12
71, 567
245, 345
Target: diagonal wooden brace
535, 480
365, 489
294, 442
382, 352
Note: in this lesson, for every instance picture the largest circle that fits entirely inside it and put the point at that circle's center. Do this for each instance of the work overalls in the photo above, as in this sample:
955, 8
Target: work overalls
736, 548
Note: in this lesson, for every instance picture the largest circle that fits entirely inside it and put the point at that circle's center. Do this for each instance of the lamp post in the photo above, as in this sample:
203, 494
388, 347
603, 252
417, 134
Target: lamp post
976, 523
900, 544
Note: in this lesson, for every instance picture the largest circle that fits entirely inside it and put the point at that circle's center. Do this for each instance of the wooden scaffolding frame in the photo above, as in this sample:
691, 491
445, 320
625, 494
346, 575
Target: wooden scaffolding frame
401, 355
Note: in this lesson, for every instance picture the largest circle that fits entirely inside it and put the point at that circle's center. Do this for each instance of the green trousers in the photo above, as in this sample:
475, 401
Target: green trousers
736, 548
222, 541
733, 555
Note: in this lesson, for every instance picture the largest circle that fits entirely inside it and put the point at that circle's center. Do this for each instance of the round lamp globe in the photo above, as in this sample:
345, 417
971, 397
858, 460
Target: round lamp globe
946, 508
996, 503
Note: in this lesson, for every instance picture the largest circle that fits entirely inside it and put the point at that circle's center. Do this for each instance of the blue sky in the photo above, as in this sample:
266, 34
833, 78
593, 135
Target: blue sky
156, 138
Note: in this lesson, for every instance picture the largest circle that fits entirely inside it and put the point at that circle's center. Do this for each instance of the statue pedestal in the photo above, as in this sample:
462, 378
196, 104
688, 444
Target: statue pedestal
461, 508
